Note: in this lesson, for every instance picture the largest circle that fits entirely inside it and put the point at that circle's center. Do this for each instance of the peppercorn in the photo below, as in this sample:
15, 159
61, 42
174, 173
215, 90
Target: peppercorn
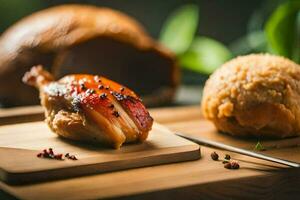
214, 156
90, 91
107, 87
103, 96
116, 114
235, 165
227, 165
50, 154
122, 89
72, 157
232, 165
58, 156
100, 87
111, 106
82, 86
51, 151
227, 157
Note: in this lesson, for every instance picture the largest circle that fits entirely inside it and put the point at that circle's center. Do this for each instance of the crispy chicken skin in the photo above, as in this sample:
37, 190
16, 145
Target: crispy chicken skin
91, 108
255, 95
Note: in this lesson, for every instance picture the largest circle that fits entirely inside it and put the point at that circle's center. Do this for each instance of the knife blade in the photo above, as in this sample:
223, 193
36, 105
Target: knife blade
209, 143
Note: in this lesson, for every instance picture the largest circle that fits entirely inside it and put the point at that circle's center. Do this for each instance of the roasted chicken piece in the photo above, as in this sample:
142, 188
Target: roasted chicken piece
91, 108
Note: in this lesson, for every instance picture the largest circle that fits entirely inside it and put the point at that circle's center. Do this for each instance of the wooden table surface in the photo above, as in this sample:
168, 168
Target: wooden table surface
201, 179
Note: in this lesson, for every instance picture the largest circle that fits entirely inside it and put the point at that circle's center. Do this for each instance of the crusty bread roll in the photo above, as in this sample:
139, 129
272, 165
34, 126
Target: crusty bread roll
85, 39
255, 95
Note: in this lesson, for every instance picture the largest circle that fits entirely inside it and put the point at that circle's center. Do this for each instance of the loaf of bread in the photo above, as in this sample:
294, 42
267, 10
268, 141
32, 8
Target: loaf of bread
85, 39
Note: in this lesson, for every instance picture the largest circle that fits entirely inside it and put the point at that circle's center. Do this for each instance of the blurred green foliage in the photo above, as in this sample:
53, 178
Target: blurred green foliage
179, 29
282, 30
196, 53
274, 28
204, 55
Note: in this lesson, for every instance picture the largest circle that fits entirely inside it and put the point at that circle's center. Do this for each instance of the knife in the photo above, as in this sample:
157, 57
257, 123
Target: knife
218, 145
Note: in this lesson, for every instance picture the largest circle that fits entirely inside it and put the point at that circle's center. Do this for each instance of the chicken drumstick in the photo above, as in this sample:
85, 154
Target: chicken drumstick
91, 108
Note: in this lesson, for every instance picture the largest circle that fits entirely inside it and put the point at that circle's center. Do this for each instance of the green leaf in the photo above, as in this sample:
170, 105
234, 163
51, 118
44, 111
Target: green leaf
179, 29
204, 55
253, 42
296, 46
281, 28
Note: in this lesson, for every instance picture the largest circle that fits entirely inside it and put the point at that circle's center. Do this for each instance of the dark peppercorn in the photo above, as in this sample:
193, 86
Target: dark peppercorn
111, 106
39, 155
82, 86
107, 87
122, 89
103, 96
90, 91
100, 87
51, 151
116, 114
227, 157
119, 96
67, 155
214, 156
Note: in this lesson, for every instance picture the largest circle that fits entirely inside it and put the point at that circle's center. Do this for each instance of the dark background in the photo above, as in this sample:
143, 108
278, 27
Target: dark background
224, 20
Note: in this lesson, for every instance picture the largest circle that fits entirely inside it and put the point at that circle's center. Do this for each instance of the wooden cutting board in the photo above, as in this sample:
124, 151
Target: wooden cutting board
198, 179
20, 143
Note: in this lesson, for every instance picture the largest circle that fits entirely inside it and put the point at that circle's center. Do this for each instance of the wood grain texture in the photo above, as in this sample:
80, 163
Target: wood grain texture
36, 113
201, 179
25, 140
21, 114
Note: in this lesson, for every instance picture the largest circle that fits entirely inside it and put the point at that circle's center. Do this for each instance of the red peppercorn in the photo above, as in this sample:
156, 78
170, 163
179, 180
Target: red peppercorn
232, 165
50, 154
58, 156
227, 165
72, 157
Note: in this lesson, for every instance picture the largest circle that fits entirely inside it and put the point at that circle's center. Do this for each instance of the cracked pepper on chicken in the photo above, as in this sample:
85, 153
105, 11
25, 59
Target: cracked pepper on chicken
91, 108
